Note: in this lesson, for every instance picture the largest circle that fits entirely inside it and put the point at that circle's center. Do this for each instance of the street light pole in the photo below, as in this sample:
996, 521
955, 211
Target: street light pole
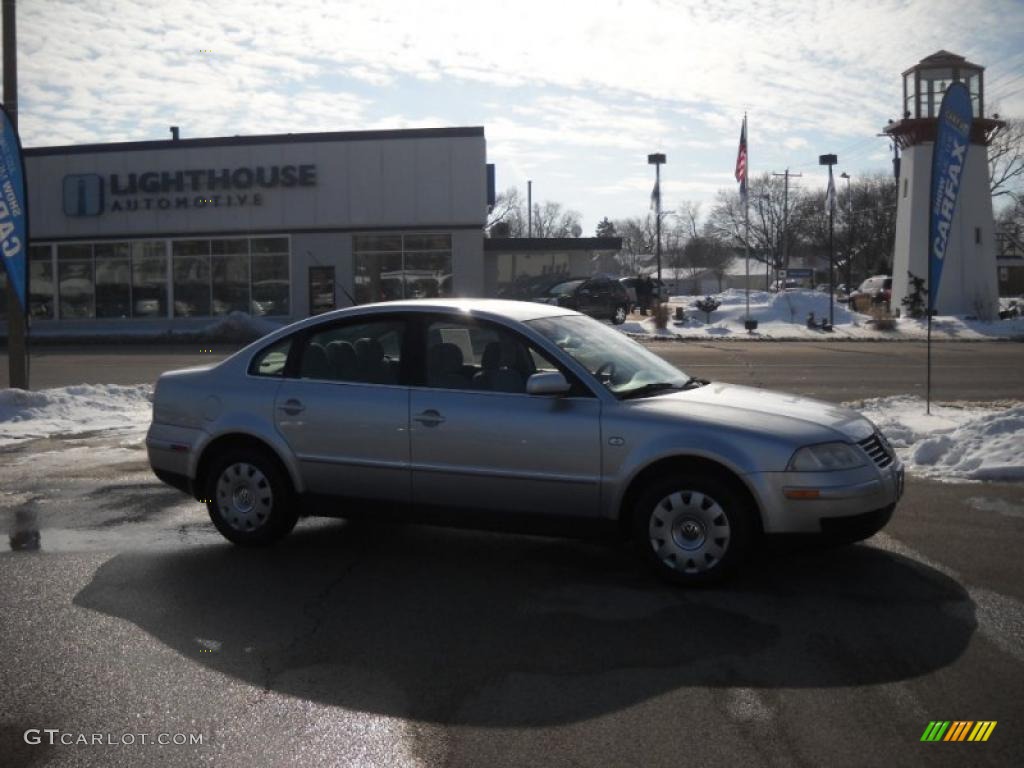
849, 233
830, 160
656, 160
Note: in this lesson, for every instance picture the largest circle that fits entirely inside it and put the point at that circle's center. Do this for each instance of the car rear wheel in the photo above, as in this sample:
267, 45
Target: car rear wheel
693, 529
249, 498
619, 315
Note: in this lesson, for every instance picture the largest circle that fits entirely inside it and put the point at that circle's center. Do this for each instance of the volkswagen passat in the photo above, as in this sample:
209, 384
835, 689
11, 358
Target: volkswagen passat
494, 413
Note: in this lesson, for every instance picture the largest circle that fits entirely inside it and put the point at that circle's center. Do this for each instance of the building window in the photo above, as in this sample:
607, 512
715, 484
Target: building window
149, 278
75, 281
391, 266
113, 279
270, 284
40, 282
230, 275
191, 264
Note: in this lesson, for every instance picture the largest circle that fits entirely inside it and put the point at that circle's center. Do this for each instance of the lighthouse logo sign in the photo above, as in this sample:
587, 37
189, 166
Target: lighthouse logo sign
951, 142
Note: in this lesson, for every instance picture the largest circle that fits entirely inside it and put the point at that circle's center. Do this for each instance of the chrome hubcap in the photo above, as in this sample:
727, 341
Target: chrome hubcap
244, 498
689, 531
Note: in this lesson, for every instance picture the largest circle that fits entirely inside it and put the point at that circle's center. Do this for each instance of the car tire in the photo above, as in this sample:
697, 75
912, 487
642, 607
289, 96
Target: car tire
693, 528
619, 314
249, 498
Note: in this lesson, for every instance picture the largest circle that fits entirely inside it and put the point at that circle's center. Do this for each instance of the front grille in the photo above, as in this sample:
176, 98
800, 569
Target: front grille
878, 449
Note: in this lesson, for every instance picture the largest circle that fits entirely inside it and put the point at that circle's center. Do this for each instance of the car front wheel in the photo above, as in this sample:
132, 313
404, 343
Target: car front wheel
693, 529
619, 315
249, 498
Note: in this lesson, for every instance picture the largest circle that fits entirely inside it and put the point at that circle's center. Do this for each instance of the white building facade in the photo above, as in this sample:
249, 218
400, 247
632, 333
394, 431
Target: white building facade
171, 234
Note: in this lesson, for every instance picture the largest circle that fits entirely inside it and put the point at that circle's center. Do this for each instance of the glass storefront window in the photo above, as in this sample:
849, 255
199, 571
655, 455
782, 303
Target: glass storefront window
270, 284
390, 267
191, 266
75, 281
230, 275
376, 243
269, 245
149, 279
40, 282
113, 280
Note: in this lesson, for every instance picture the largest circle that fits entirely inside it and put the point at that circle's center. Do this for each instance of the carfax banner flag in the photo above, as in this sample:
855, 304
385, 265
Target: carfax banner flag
13, 209
952, 139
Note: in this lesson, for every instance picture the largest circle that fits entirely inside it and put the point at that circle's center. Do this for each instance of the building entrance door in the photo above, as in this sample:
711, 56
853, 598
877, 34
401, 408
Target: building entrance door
321, 290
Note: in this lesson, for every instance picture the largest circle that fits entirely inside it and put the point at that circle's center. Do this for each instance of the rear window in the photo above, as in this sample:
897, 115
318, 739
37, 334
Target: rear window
271, 361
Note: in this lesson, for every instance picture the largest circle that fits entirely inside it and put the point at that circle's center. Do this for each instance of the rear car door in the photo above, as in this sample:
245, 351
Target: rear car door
345, 412
479, 442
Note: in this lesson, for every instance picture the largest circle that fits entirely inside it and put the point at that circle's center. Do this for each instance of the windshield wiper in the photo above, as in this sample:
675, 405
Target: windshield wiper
650, 389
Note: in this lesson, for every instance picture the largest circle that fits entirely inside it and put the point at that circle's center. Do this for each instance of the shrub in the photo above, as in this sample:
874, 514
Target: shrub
707, 305
660, 315
882, 319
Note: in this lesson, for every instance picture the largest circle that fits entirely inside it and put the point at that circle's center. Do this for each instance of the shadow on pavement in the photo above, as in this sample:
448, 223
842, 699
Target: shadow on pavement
485, 629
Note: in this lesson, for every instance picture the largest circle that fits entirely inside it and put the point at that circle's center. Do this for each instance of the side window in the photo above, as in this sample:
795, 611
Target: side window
271, 360
480, 356
366, 352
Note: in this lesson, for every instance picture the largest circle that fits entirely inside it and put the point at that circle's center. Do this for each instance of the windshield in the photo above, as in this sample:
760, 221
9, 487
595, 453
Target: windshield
563, 289
617, 361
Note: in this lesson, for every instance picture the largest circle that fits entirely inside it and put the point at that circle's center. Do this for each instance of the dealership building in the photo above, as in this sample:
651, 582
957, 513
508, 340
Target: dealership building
169, 234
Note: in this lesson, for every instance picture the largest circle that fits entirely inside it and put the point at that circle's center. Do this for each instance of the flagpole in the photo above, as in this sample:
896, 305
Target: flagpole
746, 214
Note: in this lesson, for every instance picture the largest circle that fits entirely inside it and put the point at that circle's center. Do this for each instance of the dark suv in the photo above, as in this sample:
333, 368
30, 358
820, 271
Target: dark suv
601, 296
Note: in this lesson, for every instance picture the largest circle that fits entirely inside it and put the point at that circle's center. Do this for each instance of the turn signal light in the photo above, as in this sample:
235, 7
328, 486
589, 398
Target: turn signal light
802, 493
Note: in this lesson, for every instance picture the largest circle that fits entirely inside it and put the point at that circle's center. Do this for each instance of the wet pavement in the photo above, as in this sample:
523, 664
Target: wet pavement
125, 614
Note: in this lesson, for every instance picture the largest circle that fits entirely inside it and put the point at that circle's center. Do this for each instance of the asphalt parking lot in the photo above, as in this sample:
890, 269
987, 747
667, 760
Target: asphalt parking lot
124, 612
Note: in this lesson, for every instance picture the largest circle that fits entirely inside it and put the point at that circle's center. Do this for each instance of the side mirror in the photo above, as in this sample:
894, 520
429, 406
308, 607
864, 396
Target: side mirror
553, 383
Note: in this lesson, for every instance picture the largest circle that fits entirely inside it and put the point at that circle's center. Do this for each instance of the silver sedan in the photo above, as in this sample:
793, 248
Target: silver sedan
512, 415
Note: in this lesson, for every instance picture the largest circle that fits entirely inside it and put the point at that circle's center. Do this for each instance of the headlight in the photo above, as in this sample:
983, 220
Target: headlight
825, 457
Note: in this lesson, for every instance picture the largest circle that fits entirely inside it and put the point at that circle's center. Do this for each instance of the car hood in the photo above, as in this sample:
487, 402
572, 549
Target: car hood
733, 404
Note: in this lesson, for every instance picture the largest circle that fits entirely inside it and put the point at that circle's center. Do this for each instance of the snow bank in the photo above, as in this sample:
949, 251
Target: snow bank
784, 316
956, 442
73, 410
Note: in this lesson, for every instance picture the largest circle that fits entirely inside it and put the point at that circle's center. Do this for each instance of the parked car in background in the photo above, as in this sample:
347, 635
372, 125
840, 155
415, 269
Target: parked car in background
790, 284
874, 292
630, 284
601, 296
488, 413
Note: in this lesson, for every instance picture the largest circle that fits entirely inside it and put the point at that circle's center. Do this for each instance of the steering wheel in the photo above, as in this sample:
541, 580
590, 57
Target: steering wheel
605, 372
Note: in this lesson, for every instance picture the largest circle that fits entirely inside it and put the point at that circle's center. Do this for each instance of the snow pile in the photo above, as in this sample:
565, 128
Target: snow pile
955, 442
73, 410
783, 315
240, 325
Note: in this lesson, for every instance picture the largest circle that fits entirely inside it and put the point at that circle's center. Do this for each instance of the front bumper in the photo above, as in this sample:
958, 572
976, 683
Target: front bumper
848, 494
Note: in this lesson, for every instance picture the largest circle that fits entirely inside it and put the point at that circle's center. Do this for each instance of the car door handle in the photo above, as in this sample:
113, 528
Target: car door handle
292, 407
429, 418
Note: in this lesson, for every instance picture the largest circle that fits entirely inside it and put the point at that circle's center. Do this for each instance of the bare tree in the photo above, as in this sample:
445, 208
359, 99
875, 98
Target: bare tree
551, 220
637, 240
506, 217
1006, 160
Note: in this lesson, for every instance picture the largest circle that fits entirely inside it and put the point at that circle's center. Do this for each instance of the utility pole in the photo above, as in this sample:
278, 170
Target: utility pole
17, 358
785, 218
529, 209
849, 234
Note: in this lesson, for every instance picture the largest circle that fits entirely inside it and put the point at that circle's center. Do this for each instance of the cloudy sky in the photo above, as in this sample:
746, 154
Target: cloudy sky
572, 94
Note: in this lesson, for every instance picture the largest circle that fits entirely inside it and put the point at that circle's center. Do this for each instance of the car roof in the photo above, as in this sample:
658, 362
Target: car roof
519, 311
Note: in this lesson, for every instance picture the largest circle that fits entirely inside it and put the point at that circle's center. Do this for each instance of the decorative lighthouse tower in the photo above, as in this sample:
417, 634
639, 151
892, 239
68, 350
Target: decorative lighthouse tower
969, 285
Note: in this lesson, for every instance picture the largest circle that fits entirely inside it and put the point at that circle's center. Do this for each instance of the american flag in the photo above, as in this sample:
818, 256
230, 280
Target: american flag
741, 160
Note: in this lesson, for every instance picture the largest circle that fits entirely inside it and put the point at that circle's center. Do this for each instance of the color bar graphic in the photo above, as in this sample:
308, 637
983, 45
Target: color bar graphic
958, 730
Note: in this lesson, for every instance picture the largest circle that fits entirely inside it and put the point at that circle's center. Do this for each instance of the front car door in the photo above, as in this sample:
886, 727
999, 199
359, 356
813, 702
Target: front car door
345, 412
479, 442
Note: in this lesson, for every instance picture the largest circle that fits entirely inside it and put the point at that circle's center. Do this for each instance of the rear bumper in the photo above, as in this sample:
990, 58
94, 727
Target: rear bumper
172, 452
173, 479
